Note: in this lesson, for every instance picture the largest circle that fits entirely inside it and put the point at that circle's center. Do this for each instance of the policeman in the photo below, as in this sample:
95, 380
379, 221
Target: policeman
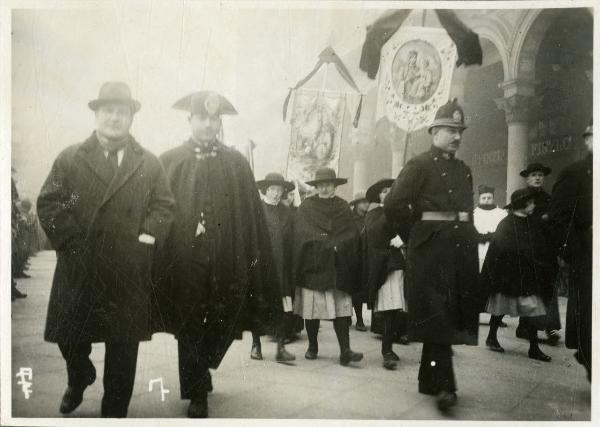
431, 206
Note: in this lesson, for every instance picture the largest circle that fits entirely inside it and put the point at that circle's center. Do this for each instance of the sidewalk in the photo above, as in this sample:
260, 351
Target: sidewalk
492, 386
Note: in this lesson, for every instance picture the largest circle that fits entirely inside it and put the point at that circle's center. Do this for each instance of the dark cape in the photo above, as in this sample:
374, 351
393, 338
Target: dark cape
280, 224
381, 259
520, 261
215, 285
326, 246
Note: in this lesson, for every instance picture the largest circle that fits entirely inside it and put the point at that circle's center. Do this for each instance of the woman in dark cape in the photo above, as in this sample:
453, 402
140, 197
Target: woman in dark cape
519, 268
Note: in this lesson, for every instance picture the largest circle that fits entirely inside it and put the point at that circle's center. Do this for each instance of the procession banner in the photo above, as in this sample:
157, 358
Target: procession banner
415, 76
316, 123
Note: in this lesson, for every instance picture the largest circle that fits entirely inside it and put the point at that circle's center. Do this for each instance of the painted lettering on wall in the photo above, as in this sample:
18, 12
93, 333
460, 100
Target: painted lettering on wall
487, 158
551, 145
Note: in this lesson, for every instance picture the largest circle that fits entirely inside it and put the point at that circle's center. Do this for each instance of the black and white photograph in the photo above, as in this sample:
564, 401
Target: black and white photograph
297, 211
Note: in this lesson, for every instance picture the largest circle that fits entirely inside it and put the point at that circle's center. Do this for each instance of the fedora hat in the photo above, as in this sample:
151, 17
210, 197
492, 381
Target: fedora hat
115, 92
326, 175
536, 167
519, 197
375, 189
450, 114
358, 197
274, 178
205, 102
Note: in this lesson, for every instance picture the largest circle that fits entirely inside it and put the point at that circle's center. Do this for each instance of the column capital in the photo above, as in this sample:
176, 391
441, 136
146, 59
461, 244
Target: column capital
525, 87
518, 108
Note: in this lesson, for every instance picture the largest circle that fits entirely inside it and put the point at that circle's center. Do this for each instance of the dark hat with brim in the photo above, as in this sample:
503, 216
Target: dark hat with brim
519, 198
115, 93
375, 189
205, 102
450, 115
326, 175
536, 167
359, 198
274, 178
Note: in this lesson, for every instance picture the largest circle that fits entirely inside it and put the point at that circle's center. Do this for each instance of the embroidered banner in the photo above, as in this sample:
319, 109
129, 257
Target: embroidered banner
316, 123
415, 76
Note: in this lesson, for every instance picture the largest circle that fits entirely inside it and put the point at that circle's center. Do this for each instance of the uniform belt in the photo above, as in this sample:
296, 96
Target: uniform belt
445, 216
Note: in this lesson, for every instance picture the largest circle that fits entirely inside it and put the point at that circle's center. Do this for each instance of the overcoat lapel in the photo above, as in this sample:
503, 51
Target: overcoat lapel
132, 160
94, 158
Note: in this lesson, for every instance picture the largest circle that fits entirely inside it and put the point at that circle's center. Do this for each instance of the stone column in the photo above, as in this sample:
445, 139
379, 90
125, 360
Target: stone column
518, 104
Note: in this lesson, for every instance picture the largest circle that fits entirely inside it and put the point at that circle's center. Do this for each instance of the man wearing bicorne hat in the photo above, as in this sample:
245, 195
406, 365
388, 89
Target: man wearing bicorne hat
105, 207
218, 256
280, 224
326, 264
430, 207
571, 218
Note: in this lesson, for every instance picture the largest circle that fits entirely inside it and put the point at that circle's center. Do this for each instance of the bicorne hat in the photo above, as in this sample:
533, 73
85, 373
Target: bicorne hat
326, 175
115, 92
205, 102
450, 114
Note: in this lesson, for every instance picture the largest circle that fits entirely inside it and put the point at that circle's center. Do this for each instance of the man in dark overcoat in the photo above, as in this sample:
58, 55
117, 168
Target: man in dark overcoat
360, 206
571, 218
431, 206
218, 254
105, 206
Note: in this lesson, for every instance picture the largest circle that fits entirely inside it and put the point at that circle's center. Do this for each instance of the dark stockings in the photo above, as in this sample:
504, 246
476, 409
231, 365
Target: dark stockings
312, 330
388, 331
342, 330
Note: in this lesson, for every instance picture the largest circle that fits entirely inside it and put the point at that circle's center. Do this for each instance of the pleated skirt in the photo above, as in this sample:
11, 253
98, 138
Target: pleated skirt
325, 305
391, 294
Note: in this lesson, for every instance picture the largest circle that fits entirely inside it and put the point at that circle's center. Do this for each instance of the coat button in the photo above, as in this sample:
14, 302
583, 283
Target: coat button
450, 191
456, 226
444, 173
435, 158
458, 245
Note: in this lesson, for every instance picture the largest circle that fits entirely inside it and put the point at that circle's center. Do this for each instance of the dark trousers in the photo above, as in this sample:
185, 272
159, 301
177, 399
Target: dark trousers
436, 372
193, 368
120, 360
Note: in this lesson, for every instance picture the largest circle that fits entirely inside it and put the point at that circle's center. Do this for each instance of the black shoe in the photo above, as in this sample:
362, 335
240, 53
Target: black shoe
360, 326
445, 400
350, 356
521, 333
553, 336
403, 339
198, 406
74, 395
17, 294
256, 353
284, 356
494, 345
537, 354
390, 355
311, 354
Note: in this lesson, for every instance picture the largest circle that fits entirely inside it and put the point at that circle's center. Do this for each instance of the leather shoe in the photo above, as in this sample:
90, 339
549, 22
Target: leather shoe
350, 356
284, 356
494, 345
391, 355
198, 406
256, 352
537, 354
445, 400
74, 395
311, 354
361, 327
553, 337
403, 339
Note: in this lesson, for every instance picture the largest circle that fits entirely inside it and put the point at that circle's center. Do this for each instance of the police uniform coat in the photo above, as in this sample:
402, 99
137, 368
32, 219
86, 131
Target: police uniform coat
571, 218
217, 284
102, 289
441, 286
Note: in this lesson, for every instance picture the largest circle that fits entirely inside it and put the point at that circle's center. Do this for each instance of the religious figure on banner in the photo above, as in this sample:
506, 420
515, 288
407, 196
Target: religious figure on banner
316, 125
416, 71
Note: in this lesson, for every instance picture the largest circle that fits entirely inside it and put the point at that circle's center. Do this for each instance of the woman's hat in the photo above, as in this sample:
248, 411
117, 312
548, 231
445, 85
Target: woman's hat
326, 175
274, 178
115, 92
519, 198
375, 189
358, 197
536, 167
205, 102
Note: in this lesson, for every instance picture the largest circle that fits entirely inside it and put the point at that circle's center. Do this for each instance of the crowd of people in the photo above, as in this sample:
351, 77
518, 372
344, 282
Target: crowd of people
25, 239
188, 243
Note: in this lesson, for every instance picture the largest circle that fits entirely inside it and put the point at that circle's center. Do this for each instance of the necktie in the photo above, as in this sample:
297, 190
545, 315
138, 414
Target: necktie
113, 162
